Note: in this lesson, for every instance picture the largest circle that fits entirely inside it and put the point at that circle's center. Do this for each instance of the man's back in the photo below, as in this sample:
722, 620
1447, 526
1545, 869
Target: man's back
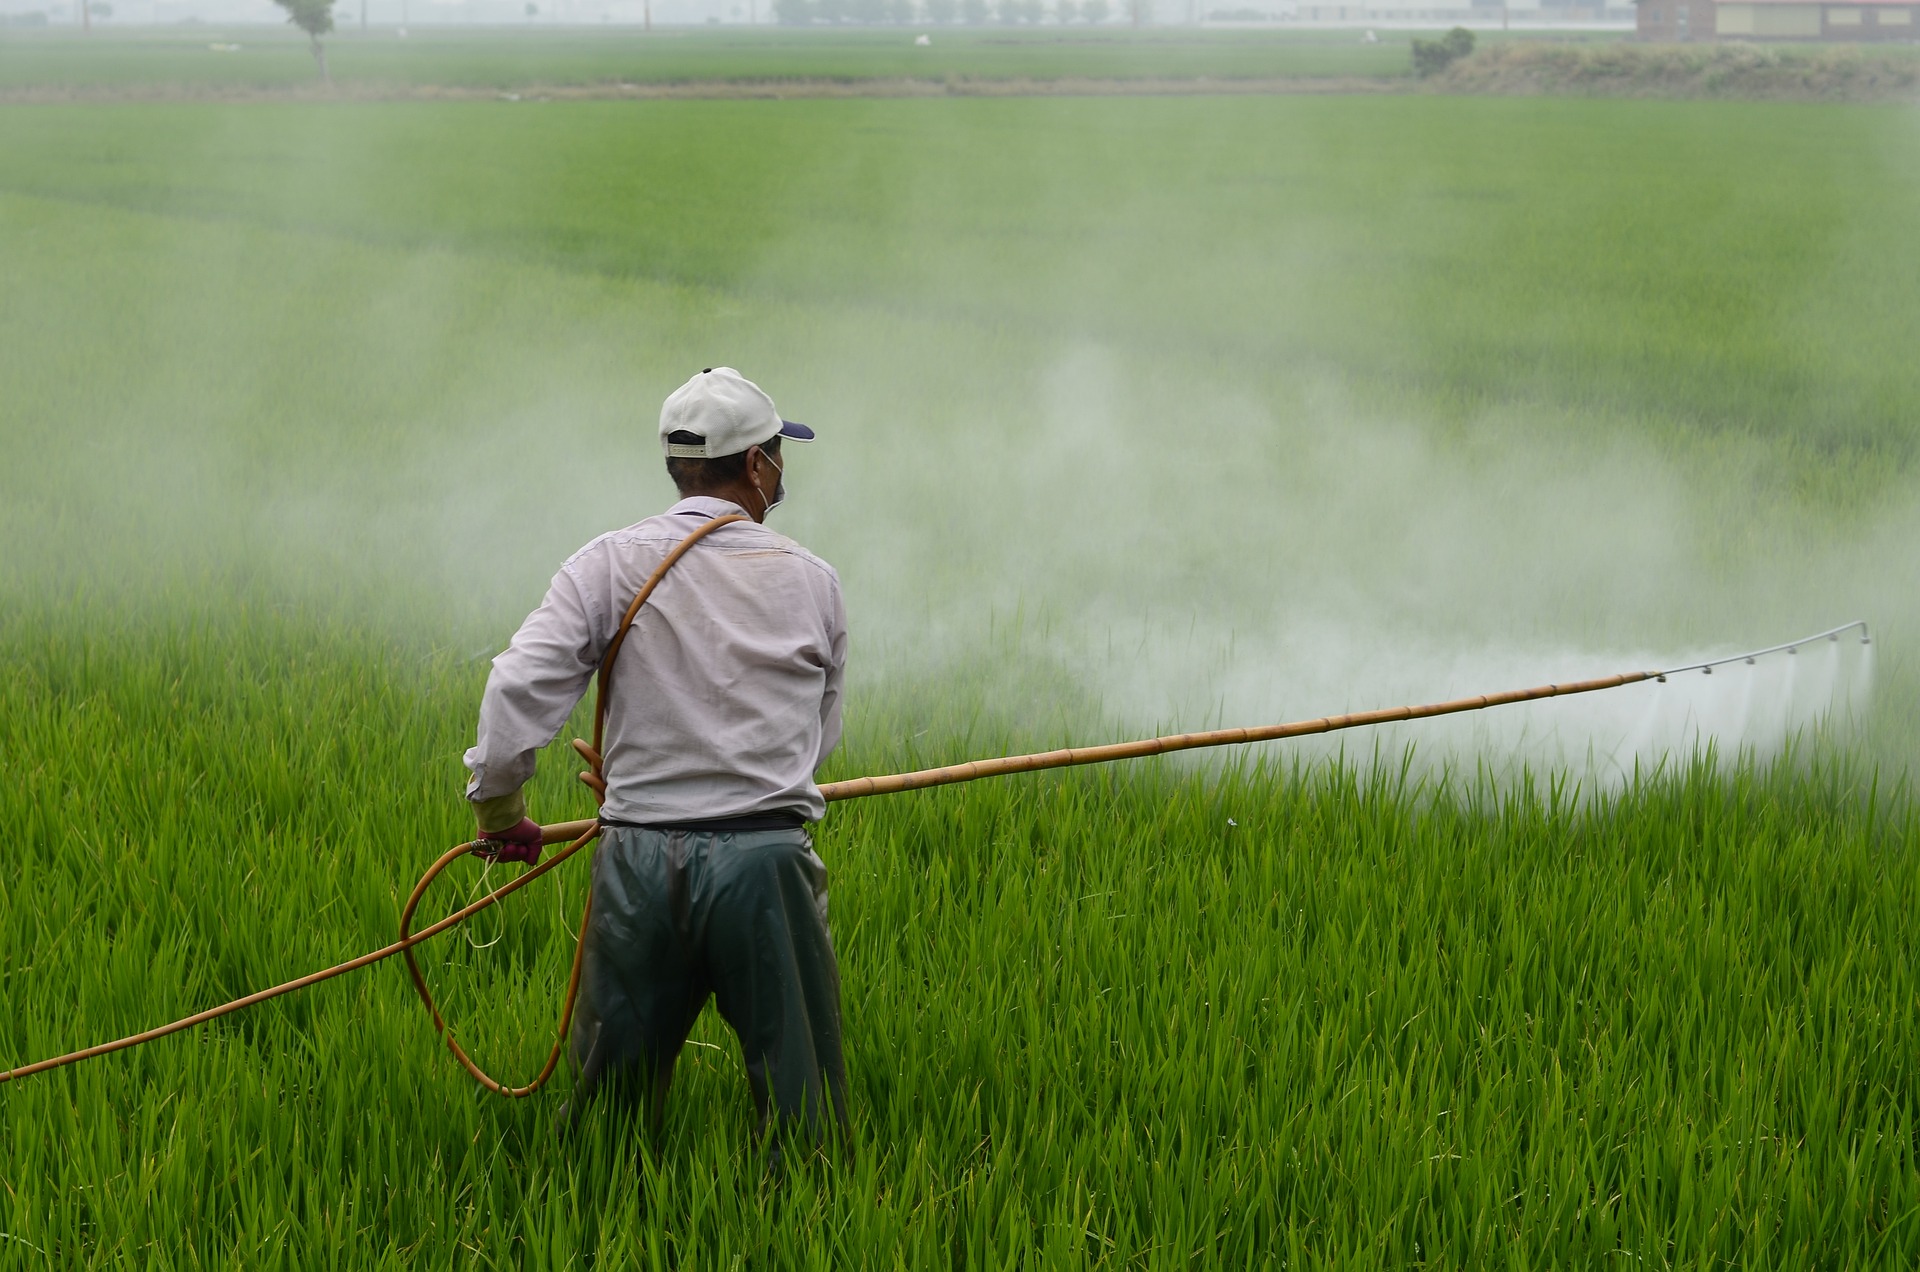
726, 695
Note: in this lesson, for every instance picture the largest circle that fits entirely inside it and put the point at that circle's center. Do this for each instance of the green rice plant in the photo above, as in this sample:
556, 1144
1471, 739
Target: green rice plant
1264, 1013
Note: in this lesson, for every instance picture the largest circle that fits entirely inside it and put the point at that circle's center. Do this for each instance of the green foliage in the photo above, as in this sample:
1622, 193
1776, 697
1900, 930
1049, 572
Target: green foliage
1731, 70
1430, 57
315, 17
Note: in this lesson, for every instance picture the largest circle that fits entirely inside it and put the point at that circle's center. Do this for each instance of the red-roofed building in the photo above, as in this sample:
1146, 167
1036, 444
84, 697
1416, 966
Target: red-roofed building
1778, 20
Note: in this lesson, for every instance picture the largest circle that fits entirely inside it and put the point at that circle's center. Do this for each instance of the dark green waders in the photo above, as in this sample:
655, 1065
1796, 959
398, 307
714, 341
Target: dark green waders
679, 915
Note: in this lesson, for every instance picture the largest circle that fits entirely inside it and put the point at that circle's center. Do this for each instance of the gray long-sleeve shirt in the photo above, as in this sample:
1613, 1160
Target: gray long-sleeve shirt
726, 693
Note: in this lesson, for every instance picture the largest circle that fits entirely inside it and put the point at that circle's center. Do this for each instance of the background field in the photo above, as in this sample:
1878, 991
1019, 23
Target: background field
251, 62
1134, 412
182, 61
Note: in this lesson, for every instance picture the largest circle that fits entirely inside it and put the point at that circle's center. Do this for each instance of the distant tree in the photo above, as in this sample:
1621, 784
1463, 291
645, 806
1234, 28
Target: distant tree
1095, 11
1033, 12
1141, 12
942, 11
901, 12
1066, 11
1007, 12
1430, 57
868, 12
315, 17
973, 12
793, 12
101, 10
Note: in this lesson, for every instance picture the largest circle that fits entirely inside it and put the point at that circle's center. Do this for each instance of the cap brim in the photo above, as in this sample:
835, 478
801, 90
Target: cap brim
798, 432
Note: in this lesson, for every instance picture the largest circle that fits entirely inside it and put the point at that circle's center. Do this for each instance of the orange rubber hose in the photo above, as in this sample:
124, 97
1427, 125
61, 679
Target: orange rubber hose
573, 981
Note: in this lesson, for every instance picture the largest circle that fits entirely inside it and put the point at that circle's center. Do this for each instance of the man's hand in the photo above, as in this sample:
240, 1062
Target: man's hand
519, 842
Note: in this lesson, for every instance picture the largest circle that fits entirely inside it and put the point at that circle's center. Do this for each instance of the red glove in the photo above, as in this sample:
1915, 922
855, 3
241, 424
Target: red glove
516, 843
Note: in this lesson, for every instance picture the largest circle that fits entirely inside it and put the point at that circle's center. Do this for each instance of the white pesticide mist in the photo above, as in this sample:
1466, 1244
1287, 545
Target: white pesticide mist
1193, 558
1084, 537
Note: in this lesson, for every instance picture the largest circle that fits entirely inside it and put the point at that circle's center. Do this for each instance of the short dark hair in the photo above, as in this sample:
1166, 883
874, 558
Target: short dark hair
698, 476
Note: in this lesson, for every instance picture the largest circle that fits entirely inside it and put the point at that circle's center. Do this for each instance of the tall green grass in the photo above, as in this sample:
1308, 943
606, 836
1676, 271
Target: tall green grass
303, 404
1267, 1015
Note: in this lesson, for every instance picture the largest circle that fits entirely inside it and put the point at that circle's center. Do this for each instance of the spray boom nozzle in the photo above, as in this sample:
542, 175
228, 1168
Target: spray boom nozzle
1790, 647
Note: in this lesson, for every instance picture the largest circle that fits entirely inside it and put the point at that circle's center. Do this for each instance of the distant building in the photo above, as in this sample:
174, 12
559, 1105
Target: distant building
1777, 20
1483, 14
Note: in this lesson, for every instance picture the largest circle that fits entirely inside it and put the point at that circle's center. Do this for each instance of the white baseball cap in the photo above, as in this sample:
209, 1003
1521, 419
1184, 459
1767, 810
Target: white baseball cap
726, 410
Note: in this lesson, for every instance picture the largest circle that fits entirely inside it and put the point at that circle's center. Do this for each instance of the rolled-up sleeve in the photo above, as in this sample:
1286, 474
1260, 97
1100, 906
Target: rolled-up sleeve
533, 687
836, 676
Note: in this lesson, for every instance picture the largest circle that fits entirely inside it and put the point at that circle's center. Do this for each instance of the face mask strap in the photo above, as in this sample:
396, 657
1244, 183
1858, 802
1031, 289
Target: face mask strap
779, 485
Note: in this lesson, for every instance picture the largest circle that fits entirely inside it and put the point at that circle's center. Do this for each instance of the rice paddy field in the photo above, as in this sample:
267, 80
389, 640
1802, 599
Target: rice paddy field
1135, 414
186, 62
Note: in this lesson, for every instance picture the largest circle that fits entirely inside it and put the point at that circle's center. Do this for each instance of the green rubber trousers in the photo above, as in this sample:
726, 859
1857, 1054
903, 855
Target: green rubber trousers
741, 916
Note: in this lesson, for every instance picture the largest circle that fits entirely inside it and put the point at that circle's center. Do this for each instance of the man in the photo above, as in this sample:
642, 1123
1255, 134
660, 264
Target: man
724, 700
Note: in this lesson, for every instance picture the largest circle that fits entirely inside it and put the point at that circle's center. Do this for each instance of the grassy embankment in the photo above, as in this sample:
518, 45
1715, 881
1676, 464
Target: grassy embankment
303, 404
1736, 70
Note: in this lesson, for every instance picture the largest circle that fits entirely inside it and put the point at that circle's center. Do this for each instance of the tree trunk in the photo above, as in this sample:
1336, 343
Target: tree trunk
86, 19
320, 58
